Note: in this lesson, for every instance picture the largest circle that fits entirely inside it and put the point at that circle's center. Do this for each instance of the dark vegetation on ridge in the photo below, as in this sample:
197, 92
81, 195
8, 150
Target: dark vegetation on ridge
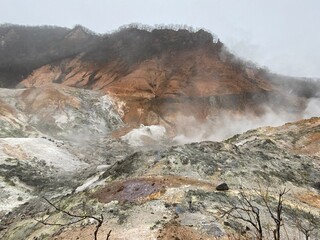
25, 48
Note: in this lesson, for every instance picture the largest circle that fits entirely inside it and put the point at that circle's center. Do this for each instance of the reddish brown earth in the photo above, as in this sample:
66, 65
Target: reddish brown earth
174, 231
157, 76
163, 74
53, 96
312, 199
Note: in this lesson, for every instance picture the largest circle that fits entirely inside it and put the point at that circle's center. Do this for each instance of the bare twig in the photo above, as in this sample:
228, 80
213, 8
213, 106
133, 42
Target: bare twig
248, 213
277, 216
108, 236
99, 219
307, 227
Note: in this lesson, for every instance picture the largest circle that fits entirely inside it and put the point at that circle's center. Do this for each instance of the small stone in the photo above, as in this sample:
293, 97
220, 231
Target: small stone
222, 187
316, 185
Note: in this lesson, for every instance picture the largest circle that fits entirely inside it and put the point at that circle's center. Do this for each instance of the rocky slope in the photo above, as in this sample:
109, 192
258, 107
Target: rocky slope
159, 76
164, 75
172, 190
56, 111
98, 125
49, 135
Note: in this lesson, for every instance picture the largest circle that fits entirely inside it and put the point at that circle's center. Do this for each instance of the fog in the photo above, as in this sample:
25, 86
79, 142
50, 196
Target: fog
217, 128
313, 108
227, 124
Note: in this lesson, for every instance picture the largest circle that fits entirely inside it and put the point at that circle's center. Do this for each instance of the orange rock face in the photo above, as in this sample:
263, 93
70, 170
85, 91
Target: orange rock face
161, 75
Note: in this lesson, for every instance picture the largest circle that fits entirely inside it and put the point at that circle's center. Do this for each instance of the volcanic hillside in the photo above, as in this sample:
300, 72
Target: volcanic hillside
158, 75
96, 125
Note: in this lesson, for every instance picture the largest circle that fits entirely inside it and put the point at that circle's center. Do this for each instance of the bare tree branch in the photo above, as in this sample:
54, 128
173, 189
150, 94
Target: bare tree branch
108, 236
306, 228
277, 216
248, 213
99, 219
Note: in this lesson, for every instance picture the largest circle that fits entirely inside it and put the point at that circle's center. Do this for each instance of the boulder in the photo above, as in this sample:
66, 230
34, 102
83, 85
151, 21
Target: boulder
222, 187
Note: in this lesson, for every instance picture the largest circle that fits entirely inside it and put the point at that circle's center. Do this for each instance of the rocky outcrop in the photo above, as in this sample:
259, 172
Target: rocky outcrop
47, 135
157, 75
172, 190
57, 111
163, 75
113, 132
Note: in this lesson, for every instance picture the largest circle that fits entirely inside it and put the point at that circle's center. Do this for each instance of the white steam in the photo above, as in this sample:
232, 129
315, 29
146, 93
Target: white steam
219, 127
145, 135
227, 124
313, 108
224, 126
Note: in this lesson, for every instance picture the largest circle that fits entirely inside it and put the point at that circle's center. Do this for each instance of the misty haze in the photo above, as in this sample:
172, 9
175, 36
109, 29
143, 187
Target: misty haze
159, 131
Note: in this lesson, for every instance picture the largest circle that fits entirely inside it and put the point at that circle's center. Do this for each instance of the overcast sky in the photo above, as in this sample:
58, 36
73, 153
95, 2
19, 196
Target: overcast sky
282, 35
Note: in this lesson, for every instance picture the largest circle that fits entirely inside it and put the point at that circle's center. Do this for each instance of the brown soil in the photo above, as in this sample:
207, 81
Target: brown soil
5, 109
175, 231
50, 95
159, 88
310, 145
82, 233
311, 199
